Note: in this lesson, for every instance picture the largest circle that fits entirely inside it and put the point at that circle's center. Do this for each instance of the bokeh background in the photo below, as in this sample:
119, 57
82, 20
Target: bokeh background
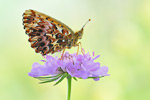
119, 32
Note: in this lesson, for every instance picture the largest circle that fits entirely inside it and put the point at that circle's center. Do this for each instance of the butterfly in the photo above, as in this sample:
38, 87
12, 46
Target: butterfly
47, 34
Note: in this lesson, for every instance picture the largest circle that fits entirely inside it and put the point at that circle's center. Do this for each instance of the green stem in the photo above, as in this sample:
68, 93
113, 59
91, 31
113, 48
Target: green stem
69, 87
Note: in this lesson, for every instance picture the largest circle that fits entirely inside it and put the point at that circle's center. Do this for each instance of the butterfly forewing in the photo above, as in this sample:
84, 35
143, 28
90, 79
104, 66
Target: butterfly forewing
46, 34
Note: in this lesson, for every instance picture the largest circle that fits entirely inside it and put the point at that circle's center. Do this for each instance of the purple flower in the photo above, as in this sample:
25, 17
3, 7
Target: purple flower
80, 66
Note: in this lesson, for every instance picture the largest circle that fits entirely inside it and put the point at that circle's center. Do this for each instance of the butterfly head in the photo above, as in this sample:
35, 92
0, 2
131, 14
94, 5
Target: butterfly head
80, 33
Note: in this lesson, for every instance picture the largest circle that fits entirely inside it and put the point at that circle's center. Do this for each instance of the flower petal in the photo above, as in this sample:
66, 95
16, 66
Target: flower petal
39, 70
80, 66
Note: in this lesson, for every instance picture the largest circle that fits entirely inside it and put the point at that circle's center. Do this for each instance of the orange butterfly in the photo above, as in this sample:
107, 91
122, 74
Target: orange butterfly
48, 35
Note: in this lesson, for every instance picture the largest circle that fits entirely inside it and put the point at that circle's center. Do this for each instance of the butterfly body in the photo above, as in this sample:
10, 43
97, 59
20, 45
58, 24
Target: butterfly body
48, 35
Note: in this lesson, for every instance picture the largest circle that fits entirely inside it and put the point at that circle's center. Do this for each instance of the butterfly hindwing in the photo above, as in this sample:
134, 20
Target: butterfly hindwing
46, 34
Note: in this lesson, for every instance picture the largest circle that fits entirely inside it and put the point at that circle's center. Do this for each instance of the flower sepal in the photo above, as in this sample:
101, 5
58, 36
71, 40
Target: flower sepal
58, 78
95, 77
75, 78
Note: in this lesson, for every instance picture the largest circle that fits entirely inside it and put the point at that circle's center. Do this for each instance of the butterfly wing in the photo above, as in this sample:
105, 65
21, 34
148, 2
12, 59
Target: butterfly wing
46, 34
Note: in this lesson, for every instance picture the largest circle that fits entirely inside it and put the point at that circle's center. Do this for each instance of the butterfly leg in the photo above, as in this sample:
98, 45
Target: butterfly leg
63, 52
79, 44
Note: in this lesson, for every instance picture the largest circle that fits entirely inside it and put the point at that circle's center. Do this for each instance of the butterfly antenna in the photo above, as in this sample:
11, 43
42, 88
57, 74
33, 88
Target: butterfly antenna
86, 23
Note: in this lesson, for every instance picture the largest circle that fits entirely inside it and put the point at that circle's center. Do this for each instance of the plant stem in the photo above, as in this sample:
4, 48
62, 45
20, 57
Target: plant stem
69, 87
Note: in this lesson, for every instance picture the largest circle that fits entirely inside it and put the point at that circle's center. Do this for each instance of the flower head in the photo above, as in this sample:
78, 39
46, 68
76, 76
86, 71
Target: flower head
79, 66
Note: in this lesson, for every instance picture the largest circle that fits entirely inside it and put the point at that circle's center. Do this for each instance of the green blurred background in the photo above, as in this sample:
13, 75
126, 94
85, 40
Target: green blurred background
119, 31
